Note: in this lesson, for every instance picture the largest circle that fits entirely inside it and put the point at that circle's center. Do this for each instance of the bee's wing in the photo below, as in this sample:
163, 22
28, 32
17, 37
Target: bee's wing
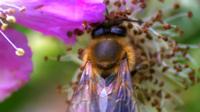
83, 100
122, 95
119, 100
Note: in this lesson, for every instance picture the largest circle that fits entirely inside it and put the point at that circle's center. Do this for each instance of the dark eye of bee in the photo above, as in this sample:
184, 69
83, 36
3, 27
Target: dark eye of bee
114, 30
119, 31
98, 32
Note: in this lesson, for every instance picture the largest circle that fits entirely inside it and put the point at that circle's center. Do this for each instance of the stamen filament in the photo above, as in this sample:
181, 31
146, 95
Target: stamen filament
175, 17
12, 6
154, 32
19, 51
1, 10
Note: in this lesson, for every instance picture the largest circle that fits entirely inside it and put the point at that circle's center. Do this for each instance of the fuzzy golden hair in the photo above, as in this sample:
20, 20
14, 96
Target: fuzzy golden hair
127, 49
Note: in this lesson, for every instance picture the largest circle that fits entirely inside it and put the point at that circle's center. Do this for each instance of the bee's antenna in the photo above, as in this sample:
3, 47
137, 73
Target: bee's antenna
139, 21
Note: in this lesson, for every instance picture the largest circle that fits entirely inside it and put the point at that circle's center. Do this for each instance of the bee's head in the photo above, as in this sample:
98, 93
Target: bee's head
107, 50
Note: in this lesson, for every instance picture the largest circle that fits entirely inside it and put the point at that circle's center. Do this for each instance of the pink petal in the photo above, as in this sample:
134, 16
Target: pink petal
57, 17
14, 70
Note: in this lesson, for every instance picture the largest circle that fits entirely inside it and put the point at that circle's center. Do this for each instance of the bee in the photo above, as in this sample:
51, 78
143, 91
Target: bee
105, 83
128, 67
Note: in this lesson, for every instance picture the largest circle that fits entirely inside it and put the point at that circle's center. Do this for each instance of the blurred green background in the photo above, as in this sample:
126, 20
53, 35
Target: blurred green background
41, 95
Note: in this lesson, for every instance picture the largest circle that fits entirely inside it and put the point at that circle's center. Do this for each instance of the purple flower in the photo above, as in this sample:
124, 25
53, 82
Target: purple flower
59, 18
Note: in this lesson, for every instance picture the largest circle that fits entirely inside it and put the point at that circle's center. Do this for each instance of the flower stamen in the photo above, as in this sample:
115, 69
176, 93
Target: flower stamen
20, 8
18, 51
6, 13
3, 25
10, 19
6, 17
177, 16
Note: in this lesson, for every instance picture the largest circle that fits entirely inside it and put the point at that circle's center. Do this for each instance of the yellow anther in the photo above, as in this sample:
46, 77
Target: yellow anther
4, 26
10, 19
20, 52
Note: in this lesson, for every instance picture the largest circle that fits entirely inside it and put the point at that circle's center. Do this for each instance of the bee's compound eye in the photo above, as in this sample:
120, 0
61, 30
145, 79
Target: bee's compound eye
119, 31
98, 32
